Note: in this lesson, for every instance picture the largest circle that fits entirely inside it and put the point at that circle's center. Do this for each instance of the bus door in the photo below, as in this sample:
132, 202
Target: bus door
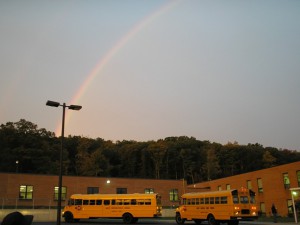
193, 209
78, 209
188, 208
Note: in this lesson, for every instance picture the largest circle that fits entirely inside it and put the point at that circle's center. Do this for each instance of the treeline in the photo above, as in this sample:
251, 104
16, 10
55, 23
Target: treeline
26, 149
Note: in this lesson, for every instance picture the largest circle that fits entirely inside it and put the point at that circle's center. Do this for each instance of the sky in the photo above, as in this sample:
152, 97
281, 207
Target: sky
222, 71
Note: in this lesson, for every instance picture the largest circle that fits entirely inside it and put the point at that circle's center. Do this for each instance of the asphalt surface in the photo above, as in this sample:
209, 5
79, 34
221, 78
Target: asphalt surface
152, 221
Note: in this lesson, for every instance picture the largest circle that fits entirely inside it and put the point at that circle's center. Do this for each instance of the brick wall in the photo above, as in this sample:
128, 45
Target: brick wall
273, 185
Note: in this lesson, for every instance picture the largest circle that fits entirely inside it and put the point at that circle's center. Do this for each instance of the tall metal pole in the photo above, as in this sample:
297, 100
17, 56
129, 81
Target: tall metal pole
294, 207
60, 166
72, 107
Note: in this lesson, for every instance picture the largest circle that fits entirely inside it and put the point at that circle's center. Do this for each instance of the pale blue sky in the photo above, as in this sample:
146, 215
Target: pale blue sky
215, 70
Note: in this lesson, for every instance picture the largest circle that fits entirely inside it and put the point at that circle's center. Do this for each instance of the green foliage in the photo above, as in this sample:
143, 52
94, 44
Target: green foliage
37, 151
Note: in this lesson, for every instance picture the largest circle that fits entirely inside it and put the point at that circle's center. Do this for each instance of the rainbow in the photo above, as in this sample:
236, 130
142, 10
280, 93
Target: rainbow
110, 54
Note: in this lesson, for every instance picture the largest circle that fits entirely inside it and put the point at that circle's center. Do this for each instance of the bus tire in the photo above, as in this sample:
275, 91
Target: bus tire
178, 219
128, 218
211, 220
69, 217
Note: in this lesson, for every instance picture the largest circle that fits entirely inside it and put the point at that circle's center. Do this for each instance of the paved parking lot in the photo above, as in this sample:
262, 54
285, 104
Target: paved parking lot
149, 222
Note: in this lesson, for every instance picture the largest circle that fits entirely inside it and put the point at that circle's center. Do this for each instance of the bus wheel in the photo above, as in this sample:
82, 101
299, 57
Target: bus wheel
197, 221
212, 221
69, 217
128, 218
178, 219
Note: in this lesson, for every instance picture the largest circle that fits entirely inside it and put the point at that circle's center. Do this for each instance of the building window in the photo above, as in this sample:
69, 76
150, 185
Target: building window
173, 195
286, 181
227, 186
26, 192
149, 190
63, 193
298, 177
92, 190
262, 208
249, 184
290, 206
260, 185
121, 190
219, 188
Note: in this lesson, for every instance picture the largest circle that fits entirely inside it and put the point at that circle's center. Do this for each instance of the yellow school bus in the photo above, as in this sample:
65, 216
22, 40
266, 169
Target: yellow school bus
129, 207
217, 207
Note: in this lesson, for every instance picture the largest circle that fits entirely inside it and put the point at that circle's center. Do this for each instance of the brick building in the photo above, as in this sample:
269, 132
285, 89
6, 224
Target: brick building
271, 185
40, 191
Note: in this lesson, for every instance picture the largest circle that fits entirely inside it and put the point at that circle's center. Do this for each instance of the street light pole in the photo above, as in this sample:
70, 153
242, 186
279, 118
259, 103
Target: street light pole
60, 165
72, 107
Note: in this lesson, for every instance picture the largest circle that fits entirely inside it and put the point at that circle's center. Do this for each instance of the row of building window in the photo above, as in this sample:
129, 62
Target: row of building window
26, 192
285, 177
289, 204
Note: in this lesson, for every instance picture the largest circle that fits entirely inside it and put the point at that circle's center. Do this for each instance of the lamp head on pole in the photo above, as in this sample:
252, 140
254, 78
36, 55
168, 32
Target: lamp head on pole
75, 107
52, 103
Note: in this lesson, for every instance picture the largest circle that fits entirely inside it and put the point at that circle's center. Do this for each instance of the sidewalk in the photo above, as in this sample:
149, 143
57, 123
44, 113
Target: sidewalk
269, 222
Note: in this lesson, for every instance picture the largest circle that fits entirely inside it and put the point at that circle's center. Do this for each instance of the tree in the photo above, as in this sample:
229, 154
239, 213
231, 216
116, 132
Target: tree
22, 141
157, 152
268, 159
212, 166
37, 151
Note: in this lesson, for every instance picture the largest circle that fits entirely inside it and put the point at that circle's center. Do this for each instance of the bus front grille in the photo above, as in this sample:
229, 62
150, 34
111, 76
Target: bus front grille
245, 211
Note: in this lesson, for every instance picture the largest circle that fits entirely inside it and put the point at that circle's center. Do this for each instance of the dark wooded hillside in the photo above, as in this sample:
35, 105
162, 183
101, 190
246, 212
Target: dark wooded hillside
37, 151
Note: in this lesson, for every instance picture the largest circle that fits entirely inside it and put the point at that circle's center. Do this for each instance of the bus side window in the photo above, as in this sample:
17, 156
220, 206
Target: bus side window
92, 202
78, 201
85, 202
119, 202
141, 202
133, 201
98, 202
197, 201
113, 202
224, 200
106, 202
184, 201
71, 202
217, 200
201, 201
193, 201
206, 200
126, 201
211, 200
148, 202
